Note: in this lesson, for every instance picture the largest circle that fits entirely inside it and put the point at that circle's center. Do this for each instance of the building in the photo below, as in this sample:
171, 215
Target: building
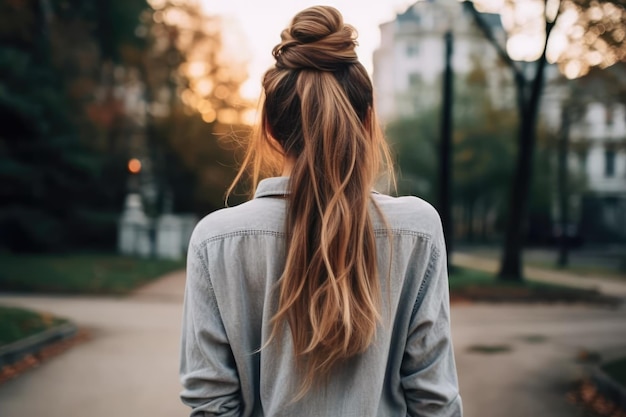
410, 60
408, 67
598, 151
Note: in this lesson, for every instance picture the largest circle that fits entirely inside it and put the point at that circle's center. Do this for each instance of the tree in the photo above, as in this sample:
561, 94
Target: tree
49, 167
87, 84
529, 90
192, 87
414, 143
481, 160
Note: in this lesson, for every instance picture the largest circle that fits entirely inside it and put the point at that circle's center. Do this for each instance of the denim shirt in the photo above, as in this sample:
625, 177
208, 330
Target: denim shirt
236, 256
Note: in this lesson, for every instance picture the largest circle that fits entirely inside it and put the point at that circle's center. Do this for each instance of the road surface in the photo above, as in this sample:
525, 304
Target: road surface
130, 367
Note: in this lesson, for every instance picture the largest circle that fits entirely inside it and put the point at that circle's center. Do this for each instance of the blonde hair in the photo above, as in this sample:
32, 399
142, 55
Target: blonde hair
318, 106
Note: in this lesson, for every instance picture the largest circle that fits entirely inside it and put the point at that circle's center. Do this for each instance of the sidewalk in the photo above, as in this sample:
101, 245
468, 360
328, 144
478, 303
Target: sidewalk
128, 368
171, 287
603, 285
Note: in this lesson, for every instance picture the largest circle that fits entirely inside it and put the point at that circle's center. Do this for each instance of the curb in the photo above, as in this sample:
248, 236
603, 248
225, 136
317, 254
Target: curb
13, 352
609, 387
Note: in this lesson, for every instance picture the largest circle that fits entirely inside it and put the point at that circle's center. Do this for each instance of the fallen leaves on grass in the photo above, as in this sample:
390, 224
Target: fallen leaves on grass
32, 361
595, 402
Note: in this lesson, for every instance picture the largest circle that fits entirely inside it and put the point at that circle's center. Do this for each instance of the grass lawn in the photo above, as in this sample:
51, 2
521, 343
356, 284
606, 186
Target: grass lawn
16, 323
617, 370
463, 278
79, 273
594, 270
482, 286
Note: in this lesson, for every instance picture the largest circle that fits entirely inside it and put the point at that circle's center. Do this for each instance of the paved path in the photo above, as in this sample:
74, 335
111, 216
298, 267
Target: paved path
171, 287
532, 378
130, 366
606, 286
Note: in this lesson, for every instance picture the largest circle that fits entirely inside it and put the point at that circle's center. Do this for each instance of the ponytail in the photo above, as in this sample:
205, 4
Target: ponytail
319, 108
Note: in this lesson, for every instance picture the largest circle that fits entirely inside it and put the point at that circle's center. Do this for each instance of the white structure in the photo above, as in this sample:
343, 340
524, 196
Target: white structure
172, 235
597, 147
602, 128
410, 60
134, 229
598, 140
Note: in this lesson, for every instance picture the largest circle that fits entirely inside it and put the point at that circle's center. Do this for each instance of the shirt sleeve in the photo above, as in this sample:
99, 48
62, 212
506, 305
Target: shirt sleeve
428, 368
207, 367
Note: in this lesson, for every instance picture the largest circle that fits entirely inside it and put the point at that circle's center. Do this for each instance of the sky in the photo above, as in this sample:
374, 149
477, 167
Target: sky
253, 28
260, 23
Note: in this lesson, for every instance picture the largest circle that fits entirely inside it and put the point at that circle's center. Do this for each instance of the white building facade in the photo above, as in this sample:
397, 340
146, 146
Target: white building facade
596, 106
408, 67
411, 57
598, 142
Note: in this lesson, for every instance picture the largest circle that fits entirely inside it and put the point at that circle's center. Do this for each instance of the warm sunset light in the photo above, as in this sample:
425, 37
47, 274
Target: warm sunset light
257, 29
134, 166
209, 116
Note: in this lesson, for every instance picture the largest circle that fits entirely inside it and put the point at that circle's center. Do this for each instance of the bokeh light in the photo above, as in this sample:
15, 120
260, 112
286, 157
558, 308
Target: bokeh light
134, 166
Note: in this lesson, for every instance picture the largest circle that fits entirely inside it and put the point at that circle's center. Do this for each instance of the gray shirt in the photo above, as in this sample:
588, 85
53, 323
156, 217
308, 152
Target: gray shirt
236, 256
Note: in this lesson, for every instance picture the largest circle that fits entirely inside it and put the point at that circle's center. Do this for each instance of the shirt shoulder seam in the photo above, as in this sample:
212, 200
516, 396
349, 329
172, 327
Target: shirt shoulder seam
432, 262
262, 232
198, 252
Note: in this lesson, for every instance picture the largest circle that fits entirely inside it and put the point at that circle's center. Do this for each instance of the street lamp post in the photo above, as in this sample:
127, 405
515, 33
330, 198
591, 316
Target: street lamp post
445, 148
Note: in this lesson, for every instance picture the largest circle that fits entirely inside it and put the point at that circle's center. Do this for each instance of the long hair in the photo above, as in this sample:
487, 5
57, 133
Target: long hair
318, 110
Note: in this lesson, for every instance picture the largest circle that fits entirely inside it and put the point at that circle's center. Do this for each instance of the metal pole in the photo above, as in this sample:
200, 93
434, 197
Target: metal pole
445, 150
563, 187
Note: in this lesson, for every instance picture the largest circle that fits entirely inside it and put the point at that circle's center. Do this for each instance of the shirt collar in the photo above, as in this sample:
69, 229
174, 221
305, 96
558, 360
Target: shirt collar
276, 187
272, 187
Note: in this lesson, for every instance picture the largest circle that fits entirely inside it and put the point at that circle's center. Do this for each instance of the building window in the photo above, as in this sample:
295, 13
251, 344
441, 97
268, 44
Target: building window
417, 105
412, 50
415, 79
608, 114
609, 163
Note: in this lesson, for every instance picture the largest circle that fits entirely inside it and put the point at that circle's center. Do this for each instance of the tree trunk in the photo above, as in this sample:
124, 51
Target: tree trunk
152, 152
484, 220
563, 189
445, 165
511, 268
470, 221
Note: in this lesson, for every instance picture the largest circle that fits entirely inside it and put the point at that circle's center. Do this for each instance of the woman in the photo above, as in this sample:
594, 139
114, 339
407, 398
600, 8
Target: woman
318, 297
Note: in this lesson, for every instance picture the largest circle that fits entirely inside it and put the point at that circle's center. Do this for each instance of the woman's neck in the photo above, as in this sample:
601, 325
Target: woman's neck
288, 164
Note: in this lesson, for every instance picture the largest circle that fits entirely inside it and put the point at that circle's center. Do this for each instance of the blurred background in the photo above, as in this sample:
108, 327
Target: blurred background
122, 124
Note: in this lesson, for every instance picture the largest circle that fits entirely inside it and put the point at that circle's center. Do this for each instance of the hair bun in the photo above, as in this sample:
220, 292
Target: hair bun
316, 39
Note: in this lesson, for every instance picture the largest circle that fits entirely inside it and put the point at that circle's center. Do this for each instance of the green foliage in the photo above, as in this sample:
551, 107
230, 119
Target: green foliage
191, 144
484, 153
51, 173
117, 23
80, 274
17, 323
43, 165
199, 161
468, 284
413, 141
67, 70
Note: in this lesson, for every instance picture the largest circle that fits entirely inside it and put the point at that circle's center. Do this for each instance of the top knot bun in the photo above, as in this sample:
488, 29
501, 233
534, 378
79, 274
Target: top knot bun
316, 39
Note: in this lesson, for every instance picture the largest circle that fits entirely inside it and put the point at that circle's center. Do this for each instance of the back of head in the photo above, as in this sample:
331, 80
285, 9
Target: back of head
318, 107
